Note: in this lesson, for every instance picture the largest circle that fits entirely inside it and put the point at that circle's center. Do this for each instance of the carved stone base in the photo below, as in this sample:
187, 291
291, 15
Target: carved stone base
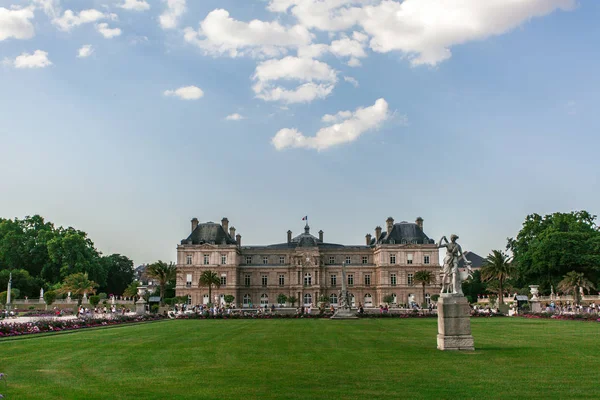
344, 313
140, 307
454, 323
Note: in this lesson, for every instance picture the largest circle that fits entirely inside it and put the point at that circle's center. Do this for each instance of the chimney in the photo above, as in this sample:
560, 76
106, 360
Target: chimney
194, 224
368, 238
419, 222
232, 232
238, 239
225, 224
321, 236
377, 233
289, 236
390, 224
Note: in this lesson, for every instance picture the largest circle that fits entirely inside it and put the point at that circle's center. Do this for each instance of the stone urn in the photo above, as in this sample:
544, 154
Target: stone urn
534, 291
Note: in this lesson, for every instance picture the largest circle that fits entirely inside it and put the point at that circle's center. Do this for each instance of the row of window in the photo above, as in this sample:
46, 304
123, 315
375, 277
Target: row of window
333, 280
188, 280
265, 259
333, 299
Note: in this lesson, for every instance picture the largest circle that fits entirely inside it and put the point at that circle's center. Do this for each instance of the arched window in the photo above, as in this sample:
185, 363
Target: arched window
368, 300
307, 299
307, 279
264, 299
205, 299
247, 300
428, 298
333, 298
222, 299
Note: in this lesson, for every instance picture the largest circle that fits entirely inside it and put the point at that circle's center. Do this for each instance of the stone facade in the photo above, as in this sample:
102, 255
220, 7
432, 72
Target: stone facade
306, 267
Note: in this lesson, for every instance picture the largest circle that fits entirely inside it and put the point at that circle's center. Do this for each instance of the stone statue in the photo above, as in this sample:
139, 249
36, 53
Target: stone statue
451, 281
344, 310
41, 293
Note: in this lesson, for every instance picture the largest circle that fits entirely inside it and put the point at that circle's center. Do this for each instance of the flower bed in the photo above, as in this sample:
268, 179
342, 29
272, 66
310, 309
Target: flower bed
569, 317
41, 326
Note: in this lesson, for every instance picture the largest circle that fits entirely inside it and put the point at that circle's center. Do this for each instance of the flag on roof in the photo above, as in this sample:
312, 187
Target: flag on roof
305, 218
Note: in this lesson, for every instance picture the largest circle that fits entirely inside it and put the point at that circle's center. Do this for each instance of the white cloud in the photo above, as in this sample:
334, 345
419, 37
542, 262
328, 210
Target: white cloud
316, 79
351, 81
107, 32
16, 23
325, 15
169, 19
186, 93
135, 5
221, 34
352, 125
69, 19
85, 51
234, 117
39, 59
50, 7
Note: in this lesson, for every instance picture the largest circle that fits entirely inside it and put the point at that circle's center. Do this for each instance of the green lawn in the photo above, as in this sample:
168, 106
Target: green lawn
306, 359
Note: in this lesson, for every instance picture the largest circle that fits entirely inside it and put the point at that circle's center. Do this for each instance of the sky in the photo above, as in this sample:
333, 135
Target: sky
127, 118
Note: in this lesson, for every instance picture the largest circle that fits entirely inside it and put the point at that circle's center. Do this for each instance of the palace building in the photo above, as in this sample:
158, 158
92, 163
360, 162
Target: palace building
307, 267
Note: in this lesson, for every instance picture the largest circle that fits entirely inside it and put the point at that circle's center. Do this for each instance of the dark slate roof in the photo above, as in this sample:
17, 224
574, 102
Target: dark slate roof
209, 232
403, 233
305, 240
476, 260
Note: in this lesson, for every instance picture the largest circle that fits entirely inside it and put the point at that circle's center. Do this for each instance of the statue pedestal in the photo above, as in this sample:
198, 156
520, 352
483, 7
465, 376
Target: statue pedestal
536, 306
454, 323
344, 313
140, 306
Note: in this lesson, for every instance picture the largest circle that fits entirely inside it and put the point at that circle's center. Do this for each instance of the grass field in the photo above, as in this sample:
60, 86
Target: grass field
306, 359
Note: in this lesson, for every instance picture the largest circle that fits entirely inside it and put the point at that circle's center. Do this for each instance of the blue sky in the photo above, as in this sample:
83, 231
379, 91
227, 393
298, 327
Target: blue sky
487, 116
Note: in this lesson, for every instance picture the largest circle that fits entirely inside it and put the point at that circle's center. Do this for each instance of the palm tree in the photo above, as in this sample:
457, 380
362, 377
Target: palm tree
163, 273
497, 268
209, 278
572, 282
424, 278
78, 285
131, 290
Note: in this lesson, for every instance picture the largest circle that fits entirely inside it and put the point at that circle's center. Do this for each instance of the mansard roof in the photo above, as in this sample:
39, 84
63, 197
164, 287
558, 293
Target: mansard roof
403, 233
209, 232
476, 260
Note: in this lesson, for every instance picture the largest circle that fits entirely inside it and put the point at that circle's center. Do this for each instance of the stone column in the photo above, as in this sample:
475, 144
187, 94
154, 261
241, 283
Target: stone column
454, 323
140, 306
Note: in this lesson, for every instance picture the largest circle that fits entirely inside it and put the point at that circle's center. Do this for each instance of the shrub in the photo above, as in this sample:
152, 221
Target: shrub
94, 300
154, 308
50, 297
102, 296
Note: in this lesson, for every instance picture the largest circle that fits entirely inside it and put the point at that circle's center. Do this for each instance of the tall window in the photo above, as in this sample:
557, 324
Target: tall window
393, 279
223, 259
348, 260
350, 279
333, 298
264, 280
188, 259
247, 280
331, 260
247, 300
188, 280
307, 299
265, 260
392, 259
333, 280
264, 299
224, 281
281, 280
365, 259
428, 298
425, 259
409, 258
281, 259
248, 259
409, 279
206, 259
307, 279
367, 279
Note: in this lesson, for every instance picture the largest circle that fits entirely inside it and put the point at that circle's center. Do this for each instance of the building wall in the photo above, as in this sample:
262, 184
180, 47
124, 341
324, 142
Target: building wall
297, 262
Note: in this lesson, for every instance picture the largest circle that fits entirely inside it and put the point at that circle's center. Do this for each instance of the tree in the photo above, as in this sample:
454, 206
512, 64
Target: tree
209, 278
131, 290
94, 300
22, 280
14, 293
388, 298
119, 273
49, 297
281, 298
571, 283
292, 300
424, 278
473, 287
229, 298
163, 273
547, 248
78, 284
497, 268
